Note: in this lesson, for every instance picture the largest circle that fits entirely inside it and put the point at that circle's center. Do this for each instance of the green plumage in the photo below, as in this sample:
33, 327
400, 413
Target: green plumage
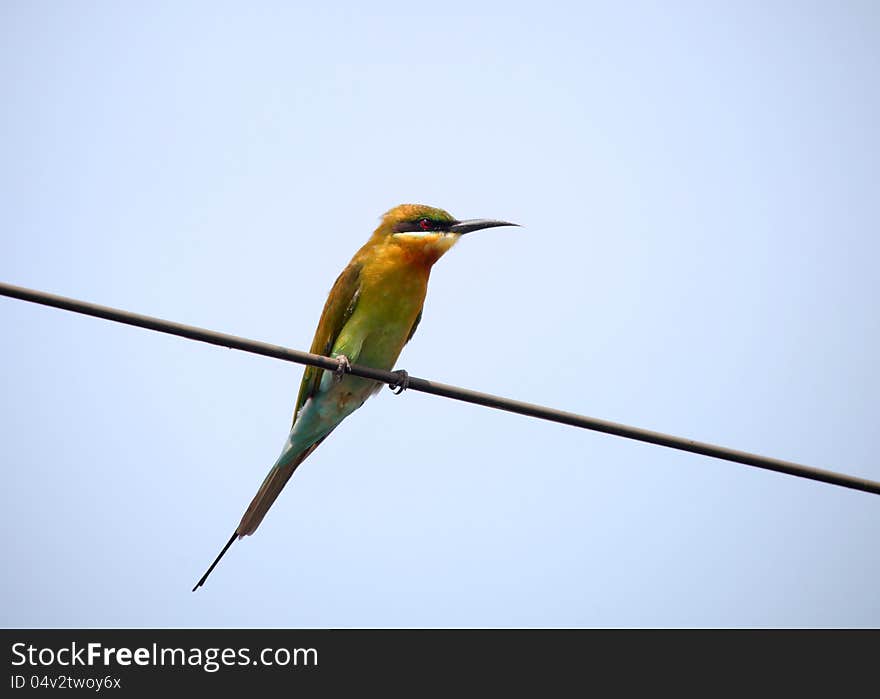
372, 311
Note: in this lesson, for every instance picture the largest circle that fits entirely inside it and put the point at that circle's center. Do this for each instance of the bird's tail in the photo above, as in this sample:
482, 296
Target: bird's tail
269, 491
271, 488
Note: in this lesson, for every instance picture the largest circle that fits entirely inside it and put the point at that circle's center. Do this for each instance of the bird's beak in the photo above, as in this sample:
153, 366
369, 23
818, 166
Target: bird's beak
476, 224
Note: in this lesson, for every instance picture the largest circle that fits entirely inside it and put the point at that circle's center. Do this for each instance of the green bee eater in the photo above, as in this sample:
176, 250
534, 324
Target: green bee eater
372, 311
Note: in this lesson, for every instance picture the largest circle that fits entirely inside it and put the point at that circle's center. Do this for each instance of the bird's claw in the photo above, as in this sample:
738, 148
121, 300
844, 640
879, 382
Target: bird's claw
401, 384
343, 367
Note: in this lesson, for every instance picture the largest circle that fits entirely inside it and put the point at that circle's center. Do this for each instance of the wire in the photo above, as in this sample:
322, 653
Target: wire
438, 389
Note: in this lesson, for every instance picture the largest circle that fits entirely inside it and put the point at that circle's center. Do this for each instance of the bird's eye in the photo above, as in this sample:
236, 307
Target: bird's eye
425, 224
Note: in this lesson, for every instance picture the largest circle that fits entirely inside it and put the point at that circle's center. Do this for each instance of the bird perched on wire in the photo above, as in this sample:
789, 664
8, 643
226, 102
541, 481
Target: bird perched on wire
373, 310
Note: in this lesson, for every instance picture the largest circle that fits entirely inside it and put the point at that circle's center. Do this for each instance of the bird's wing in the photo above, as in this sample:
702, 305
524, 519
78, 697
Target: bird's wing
412, 330
338, 309
340, 305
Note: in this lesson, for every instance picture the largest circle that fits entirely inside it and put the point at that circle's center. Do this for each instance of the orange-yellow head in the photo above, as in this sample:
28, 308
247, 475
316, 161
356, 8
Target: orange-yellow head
425, 232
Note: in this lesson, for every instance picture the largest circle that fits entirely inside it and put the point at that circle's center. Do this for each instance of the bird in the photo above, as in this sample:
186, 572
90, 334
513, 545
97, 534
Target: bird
372, 311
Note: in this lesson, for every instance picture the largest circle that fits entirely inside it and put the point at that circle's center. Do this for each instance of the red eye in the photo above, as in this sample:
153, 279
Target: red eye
425, 224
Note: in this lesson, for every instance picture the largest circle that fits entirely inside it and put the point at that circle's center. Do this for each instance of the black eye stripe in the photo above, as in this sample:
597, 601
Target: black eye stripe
421, 225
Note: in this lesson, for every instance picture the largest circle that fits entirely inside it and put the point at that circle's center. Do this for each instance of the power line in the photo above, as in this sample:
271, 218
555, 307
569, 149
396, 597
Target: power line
438, 389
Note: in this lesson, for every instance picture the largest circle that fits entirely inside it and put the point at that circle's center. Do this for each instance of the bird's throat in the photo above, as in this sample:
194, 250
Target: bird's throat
424, 248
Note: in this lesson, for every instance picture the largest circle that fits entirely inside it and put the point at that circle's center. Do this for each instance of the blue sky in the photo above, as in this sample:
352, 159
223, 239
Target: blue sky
698, 187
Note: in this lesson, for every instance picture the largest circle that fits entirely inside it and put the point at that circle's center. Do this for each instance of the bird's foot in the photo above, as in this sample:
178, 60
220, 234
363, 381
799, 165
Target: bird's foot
344, 366
402, 382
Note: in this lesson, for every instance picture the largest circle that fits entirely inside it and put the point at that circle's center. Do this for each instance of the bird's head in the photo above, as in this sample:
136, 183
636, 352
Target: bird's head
427, 232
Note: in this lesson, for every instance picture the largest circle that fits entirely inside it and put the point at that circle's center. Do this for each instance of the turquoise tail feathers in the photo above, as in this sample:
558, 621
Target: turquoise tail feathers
272, 486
